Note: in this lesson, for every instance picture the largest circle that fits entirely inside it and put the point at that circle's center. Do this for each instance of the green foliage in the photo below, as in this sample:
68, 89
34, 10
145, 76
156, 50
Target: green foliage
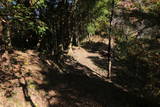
41, 28
91, 29
100, 15
155, 7
139, 59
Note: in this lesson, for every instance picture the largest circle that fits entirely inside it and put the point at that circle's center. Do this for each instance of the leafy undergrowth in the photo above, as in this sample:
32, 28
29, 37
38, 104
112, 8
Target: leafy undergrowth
29, 79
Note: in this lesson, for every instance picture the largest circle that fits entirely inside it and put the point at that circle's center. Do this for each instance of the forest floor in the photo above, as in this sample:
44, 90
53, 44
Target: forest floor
87, 59
29, 79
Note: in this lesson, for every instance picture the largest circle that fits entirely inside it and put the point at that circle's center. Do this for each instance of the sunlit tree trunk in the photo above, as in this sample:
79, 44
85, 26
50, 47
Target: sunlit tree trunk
110, 41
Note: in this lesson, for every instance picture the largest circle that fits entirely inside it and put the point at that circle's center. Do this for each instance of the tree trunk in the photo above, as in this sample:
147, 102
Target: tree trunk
1, 30
109, 43
9, 36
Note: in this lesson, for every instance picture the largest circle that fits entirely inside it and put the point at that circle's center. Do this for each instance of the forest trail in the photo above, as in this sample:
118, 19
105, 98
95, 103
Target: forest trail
93, 54
39, 82
82, 56
34, 80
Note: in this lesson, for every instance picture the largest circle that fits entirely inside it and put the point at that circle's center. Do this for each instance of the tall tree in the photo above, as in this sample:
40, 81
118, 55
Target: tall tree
110, 41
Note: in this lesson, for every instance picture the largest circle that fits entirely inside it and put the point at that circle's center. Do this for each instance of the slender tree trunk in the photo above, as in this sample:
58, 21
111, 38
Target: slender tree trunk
110, 41
75, 35
9, 35
1, 30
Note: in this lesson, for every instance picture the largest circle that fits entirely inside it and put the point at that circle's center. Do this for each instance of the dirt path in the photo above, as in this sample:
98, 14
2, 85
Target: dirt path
84, 58
43, 85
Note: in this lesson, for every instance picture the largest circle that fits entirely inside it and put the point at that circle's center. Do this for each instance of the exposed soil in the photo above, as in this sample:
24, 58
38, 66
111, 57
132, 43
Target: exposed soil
29, 79
85, 58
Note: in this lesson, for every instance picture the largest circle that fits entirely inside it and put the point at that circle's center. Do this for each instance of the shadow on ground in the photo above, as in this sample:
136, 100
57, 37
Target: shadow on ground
12, 76
76, 86
100, 62
95, 46
100, 48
